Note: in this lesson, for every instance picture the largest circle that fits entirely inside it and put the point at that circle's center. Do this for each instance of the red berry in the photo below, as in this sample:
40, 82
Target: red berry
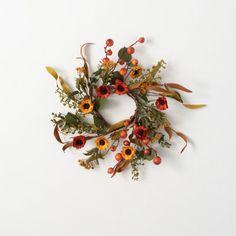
121, 61
147, 151
118, 156
123, 134
126, 123
134, 62
110, 170
141, 39
146, 141
123, 71
126, 143
109, 42
109, 52
113, 148
105, 59
156, 160
130, 50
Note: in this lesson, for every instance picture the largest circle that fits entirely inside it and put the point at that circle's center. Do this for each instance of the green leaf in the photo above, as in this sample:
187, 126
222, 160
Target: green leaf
71, 119
98, 72
116, 75
144, 97
122, 54
151, 156
79, 83
115, 135
99, 103
90, 152
99, 122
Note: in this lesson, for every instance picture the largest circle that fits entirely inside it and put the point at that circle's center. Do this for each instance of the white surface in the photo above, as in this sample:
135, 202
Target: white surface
43, 192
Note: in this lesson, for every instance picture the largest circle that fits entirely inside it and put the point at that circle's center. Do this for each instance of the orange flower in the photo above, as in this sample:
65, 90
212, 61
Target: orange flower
161, 103
79, 141
140, 132
103, 91
136, 72
120, 87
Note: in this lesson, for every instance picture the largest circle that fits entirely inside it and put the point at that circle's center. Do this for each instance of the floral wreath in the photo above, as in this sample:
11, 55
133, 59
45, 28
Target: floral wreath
141, 134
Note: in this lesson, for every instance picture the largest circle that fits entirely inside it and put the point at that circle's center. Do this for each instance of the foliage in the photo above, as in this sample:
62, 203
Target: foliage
147, 130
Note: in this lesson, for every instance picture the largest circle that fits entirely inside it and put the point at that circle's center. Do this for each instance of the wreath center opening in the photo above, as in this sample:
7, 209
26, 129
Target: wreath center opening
117, 108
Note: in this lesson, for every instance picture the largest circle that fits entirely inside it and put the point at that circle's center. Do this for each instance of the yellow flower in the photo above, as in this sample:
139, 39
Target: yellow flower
80, 70
86, 105
128, 152
102, 143
108, 65
136, 72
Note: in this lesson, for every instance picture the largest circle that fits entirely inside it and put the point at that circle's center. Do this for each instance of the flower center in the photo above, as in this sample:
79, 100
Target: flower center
120, 88
86, 106
128, 151
103, 90
162, 102
140, 132
79, 142
102, 142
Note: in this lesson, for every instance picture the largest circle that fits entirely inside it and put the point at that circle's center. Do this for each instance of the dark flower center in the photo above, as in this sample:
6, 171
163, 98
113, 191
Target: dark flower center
128, 151
162, 102
120, 88
140, 132
86, 106
136, 72
102, 142
79, 142
103, 90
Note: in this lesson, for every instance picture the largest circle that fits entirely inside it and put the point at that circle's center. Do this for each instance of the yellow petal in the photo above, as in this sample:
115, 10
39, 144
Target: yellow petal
65, 87
194, 106
52, 72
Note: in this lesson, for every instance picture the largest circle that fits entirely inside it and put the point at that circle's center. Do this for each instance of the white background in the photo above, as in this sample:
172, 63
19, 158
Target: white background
43, 192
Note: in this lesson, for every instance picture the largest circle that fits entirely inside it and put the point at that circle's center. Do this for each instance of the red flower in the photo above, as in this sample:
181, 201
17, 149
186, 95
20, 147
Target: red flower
103, 91
161, 103
79, 141
120, 87
140, 132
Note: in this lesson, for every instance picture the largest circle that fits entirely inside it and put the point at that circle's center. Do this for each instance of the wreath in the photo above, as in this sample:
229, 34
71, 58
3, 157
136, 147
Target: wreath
142, 134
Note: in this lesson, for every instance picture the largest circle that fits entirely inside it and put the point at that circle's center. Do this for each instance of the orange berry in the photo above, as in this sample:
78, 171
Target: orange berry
110, 170
134, 62
146, 141
147, 151
109, 42
123, 71
109, 52
126, 143
141, 39
118, 156
123, 134
156, 160
113, 148
126, 123
105, 59
130, 50
121, 61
